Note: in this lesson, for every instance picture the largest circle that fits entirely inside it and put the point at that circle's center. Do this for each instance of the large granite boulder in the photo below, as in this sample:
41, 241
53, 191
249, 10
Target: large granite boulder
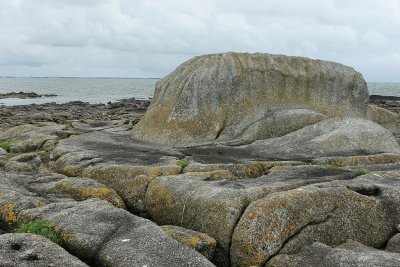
247, 97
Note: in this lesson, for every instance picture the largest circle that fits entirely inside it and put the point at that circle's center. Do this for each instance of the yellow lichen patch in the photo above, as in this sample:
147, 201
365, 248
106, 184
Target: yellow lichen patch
194, 241
102, 193
362, 160
210, 241
63, 185
9, 214
164, 171
40, 204
65, 236
72, 171
163, 195
221, 174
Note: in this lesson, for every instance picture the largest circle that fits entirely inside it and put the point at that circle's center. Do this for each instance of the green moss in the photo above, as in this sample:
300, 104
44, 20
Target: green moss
43, 228
362, 171
6, 146
183, 163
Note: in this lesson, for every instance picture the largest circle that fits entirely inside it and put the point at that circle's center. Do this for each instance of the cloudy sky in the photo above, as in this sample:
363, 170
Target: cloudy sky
143, 38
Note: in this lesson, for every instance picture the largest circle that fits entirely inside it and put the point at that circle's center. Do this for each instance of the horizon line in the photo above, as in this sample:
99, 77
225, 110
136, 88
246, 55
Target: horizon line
109, 77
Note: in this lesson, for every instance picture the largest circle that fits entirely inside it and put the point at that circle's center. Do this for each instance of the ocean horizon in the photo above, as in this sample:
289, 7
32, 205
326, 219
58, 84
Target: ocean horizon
96, 90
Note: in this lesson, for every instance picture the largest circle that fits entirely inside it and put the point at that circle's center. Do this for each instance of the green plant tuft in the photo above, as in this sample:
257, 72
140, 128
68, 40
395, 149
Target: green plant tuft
183, 163
6, 146
54, 156
43, 228
362, 171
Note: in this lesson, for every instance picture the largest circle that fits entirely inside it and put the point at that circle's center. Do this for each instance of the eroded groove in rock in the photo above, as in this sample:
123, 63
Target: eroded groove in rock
312, 223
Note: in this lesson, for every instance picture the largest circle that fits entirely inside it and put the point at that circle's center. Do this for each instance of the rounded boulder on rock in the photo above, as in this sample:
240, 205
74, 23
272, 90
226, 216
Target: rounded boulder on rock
233, 96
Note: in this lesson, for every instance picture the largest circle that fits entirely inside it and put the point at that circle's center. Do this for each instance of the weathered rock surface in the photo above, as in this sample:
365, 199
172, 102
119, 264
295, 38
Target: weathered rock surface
333, 137
237, 95
114, 160
215, 206
93, 230
201, 242
350, 254
27, 250
365, 209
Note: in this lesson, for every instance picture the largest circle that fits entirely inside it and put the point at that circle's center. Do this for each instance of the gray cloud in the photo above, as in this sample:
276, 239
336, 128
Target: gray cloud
150, 38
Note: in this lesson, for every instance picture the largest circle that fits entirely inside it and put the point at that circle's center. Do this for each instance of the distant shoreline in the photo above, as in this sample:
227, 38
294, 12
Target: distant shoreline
78, 77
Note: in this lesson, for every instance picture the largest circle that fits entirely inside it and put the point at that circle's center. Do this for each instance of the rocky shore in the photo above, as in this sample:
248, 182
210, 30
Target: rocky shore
126, 111
24, 95
207, 175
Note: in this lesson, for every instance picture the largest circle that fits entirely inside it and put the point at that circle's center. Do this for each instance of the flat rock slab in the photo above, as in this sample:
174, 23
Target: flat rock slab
94, 230
116, 148
26, 250
350, 254
20, 192
103, 235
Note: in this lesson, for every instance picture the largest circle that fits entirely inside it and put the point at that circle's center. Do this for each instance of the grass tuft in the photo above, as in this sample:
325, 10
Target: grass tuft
183, 163
6, 146
43, 228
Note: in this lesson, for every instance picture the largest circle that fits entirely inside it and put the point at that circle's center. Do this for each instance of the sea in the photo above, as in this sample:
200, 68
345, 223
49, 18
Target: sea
104, 90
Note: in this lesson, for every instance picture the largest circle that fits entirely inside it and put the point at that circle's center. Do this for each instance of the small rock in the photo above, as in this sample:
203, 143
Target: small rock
394, 244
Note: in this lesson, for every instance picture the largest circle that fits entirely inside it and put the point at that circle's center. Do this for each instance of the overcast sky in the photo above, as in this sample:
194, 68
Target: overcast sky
150, 38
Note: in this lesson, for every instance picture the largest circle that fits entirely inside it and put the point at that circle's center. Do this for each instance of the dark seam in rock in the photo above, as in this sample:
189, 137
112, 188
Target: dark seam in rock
95, 257
220, 130
145, 211
242, 210
184, 206
42, 143
316, 222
